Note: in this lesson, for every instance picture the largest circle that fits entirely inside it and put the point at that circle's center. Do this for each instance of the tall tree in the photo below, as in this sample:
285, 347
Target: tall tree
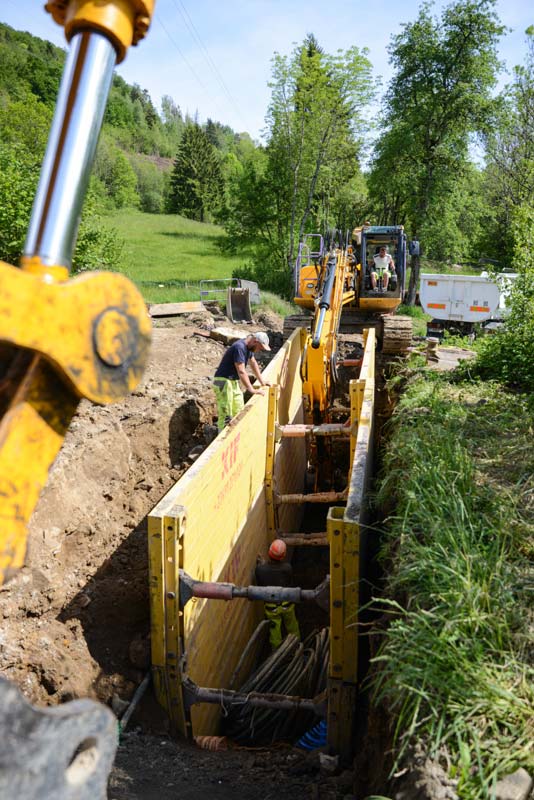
315, 125
439, 96
315, 129
509, 145
196, 181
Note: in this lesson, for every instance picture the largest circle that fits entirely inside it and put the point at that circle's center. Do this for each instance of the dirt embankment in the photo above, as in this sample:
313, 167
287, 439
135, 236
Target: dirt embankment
75, 619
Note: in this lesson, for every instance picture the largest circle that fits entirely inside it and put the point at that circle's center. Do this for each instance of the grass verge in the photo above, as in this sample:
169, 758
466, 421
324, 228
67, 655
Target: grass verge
456, 664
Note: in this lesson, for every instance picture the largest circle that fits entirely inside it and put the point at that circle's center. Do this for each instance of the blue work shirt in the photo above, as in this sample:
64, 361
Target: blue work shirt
238, 353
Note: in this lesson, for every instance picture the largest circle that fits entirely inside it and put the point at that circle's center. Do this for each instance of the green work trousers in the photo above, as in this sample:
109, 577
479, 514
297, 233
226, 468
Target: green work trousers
278, 613
229, 400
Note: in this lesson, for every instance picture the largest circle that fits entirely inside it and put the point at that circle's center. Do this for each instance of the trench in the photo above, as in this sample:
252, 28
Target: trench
89, 595
369, 768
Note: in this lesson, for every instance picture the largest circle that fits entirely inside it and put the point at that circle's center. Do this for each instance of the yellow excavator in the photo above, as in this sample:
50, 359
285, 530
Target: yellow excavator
340, 282
62, 340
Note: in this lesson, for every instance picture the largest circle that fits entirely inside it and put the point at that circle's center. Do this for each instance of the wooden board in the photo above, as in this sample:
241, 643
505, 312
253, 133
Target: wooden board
173, 309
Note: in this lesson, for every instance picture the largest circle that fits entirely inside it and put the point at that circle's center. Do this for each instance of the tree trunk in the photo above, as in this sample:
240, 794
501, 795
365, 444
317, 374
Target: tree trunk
414, 281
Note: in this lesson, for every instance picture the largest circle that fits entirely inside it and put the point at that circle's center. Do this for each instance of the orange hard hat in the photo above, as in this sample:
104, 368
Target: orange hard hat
277, 550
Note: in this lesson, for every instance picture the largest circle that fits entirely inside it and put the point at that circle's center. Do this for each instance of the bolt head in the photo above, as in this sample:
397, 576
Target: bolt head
114, 338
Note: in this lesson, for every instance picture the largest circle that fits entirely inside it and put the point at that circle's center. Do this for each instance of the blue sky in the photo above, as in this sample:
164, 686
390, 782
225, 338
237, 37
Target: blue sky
214, 57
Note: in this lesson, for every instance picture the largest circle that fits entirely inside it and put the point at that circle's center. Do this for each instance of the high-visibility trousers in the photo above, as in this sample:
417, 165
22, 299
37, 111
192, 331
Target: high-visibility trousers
229, 398
278, 613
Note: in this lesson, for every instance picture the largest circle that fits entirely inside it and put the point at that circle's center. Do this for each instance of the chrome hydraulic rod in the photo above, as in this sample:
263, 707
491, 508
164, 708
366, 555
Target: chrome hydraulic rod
226, 697
324, 303
190, 588
70, 152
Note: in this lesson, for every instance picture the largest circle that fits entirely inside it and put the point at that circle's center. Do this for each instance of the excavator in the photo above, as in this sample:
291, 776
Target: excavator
62, 340
333, 278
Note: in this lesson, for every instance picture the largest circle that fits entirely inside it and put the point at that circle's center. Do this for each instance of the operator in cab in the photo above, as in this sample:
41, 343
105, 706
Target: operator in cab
382, 269
231, 376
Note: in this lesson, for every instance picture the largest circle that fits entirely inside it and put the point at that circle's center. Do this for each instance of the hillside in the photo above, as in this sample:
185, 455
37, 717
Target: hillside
166, 255
138, 142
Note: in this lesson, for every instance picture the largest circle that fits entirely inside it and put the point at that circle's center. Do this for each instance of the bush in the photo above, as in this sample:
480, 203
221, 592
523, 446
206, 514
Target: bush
507, 355
96, 247
268, 275
19, 175
150, 185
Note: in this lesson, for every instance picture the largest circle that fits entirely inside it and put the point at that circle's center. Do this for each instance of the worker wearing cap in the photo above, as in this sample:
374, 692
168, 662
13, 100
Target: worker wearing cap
278, 572
231, 375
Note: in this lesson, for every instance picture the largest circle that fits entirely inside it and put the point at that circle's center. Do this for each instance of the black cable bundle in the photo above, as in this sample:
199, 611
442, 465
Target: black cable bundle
295, 668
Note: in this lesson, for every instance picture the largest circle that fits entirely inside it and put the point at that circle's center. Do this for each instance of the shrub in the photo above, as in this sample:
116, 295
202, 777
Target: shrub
507, 355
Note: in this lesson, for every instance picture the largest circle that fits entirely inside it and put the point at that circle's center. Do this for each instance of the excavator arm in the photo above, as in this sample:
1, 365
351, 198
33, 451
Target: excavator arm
62, 340
333, 289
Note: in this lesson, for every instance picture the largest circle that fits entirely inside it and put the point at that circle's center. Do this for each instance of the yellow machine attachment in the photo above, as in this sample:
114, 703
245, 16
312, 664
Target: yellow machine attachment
63, 340
333, 288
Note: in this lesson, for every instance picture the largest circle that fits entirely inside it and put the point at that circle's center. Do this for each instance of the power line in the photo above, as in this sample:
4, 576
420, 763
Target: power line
183, 57
182, 10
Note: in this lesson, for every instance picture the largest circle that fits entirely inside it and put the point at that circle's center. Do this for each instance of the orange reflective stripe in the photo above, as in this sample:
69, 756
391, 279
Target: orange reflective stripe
478, 308
436, 305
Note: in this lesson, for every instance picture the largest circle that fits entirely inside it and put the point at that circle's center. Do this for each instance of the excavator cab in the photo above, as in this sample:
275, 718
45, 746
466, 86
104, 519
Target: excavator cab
386, 295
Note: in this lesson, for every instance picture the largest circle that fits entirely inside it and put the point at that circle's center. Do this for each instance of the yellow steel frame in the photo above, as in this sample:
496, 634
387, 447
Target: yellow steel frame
269, 462
165, 561
220, 508
214, 531
344, 534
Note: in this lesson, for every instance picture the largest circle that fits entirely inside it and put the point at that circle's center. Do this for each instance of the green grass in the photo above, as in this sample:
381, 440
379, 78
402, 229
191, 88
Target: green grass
419, 318
166, 255
455, 666
276, 304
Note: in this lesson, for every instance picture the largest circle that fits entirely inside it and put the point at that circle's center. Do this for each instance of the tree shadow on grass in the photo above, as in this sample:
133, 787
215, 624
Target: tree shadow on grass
186, 235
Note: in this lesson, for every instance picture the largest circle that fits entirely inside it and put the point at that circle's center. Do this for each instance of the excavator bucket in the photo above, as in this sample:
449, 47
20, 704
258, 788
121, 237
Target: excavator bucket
238, 304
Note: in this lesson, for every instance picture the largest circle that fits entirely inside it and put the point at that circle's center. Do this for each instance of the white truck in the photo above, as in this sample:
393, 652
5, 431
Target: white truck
457, 302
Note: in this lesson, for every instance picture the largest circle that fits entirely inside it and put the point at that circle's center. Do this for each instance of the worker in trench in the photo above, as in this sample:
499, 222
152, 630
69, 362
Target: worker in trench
231, 376
278, 572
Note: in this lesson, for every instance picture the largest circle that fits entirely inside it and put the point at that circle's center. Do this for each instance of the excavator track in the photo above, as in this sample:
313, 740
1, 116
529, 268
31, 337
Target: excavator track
396, 334
352, 321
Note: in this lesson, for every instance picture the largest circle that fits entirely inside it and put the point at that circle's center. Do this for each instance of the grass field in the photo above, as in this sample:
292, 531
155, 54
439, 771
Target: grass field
166, 255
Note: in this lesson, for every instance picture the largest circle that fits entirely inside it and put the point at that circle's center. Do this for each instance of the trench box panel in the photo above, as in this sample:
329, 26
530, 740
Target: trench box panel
223, 528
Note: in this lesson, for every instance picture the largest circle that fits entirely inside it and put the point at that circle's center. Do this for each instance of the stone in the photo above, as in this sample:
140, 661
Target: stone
76, 747
328, 764
516, 786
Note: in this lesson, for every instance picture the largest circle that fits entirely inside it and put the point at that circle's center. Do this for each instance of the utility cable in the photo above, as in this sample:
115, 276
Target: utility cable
185, 60
294, 668
182, 10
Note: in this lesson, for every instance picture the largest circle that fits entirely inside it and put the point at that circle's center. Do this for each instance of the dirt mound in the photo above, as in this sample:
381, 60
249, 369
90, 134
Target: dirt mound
71, 614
